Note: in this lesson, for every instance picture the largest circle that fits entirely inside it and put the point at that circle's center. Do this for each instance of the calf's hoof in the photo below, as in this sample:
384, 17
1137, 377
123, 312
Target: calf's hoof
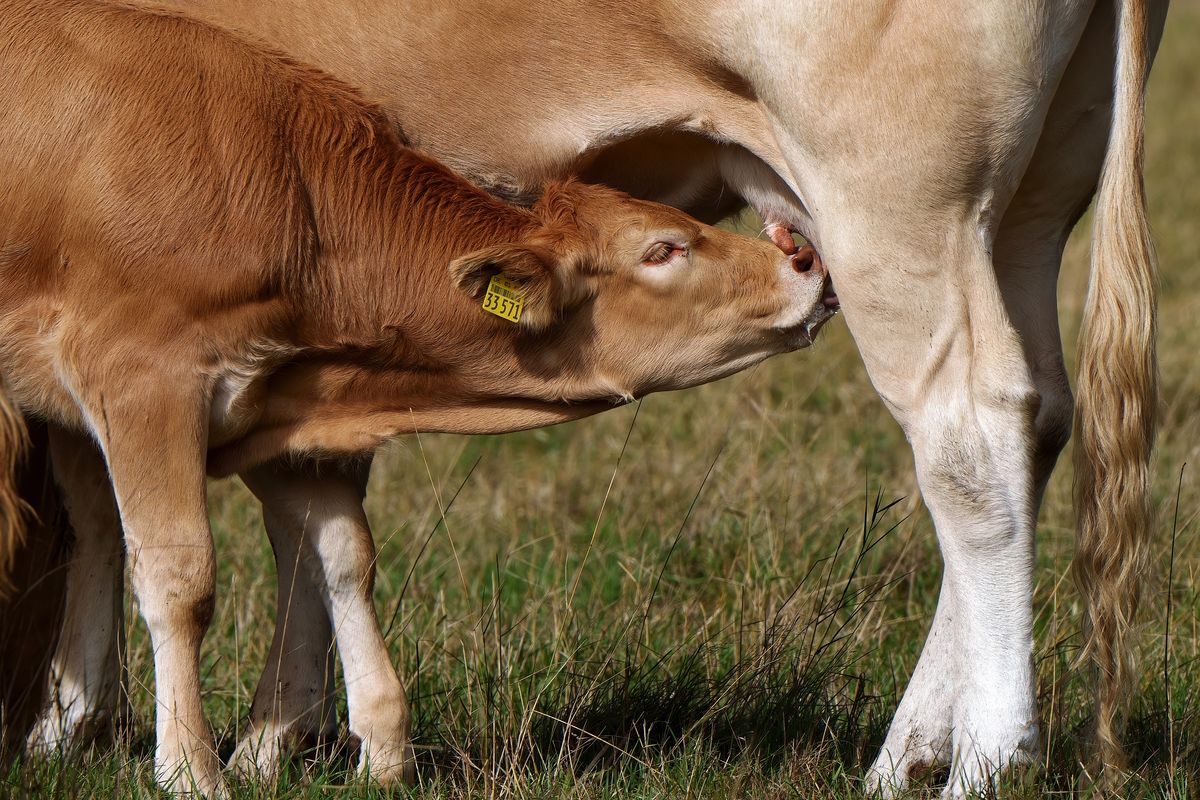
390, 764
199, 777
56, 732
261, 753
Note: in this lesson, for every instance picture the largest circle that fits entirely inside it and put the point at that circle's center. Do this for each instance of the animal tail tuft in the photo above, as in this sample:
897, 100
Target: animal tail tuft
14, 511
1117, 397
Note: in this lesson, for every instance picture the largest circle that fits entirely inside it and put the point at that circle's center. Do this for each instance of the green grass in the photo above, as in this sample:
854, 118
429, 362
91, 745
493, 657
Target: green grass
738, 614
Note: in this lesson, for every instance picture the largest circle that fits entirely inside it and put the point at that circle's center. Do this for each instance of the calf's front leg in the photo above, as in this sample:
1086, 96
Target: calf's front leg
319, 518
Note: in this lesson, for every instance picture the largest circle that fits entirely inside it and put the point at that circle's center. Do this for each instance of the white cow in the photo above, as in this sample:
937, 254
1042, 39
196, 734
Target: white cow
937, 153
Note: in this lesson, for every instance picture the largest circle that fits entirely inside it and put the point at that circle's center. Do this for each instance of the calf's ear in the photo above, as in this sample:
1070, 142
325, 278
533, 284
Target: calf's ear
530, 268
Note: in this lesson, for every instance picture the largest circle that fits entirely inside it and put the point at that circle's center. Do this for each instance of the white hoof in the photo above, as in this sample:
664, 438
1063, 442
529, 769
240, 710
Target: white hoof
985, 753
59, 731
389, 764
896, 767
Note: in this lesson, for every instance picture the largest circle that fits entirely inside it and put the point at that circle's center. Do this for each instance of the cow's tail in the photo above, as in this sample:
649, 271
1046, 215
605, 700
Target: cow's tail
14, 511
1117, 395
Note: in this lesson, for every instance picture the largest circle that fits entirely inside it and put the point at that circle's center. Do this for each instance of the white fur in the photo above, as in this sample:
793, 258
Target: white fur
317, 523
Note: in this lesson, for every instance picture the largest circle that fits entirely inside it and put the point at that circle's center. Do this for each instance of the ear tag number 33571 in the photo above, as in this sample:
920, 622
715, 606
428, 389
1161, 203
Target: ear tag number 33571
504, 299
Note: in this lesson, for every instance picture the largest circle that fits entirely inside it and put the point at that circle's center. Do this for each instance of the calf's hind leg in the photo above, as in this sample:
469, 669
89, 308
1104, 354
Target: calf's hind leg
85, 693
319, 512
294, 703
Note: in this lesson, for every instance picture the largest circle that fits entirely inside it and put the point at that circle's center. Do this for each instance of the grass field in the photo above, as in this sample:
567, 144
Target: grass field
727, 605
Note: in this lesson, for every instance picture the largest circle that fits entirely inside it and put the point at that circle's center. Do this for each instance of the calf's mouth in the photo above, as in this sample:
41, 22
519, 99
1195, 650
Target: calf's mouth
806, 260
829, 297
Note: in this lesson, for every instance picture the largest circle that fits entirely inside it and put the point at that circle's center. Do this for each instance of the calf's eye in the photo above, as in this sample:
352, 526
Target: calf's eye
661, 253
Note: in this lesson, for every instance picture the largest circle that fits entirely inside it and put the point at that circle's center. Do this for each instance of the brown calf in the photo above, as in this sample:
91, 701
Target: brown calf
212, 256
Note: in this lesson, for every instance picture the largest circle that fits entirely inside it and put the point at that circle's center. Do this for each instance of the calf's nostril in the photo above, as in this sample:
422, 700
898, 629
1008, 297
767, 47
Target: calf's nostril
803, 260
806, 260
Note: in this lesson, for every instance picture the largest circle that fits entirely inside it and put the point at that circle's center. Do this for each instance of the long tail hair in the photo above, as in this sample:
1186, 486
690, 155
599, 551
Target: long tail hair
1115, 417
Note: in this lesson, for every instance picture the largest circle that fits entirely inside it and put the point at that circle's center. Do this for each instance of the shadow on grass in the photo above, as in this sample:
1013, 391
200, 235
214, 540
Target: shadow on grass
797, 685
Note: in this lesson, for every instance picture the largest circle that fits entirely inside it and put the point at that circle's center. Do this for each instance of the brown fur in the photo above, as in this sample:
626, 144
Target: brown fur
271, 215
506, 92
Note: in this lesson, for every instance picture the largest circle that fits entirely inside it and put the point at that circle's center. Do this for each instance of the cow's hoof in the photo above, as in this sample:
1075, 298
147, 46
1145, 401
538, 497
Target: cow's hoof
895, 768
985, 753
59, 732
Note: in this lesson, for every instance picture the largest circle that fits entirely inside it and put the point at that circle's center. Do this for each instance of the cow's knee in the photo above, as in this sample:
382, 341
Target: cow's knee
974, 449
964, 429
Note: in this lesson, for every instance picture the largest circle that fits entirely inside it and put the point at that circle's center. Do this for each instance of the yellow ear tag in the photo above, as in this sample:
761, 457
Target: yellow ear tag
504, 299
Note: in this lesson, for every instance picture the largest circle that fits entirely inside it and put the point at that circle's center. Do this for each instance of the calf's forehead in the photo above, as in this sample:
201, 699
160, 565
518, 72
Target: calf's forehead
612, 212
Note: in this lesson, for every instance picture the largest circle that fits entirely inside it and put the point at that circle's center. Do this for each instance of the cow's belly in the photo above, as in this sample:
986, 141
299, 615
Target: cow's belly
496, 105
679, 169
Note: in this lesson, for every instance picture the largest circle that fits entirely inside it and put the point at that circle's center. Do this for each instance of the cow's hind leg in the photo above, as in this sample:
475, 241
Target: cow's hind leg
1027, 258
323, 505
942, 353
918, 740
85, 693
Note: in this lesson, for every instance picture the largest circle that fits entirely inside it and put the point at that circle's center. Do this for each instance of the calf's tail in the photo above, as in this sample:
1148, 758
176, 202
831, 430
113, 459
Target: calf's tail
34, 540
14, 510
